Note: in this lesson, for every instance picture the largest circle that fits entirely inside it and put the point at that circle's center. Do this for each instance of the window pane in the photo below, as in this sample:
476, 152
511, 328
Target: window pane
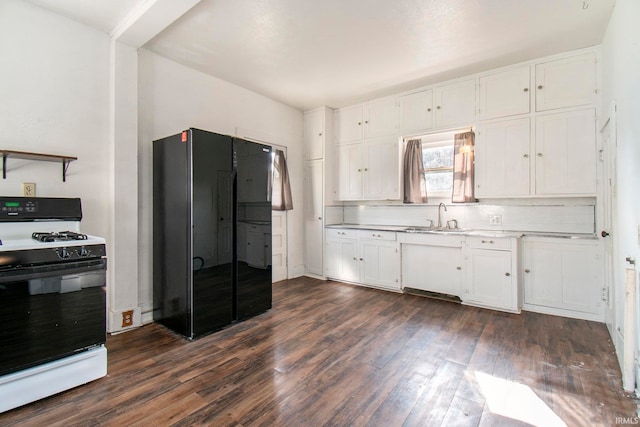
439, 181
437, 157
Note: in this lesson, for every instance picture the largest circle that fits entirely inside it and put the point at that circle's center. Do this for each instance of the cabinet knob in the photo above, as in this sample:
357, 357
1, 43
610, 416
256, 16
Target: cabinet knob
320, 134
366, 121
526, 270
428, 109
526, 89
438, 107
604, 233
507, 274
539, 154
365, 169
526, 156
539, 86
359, 170
355, 259
458, 268
359, 123
320, 218
361, 259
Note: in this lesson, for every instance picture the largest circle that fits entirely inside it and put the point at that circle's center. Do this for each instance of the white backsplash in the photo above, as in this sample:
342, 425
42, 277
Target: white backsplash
578, 218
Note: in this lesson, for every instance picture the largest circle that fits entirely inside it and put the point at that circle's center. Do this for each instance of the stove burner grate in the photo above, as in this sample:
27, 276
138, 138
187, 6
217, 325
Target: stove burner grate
55, 236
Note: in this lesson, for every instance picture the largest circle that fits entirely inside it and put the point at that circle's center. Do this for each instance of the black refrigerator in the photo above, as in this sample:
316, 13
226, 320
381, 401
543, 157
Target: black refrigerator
211, 231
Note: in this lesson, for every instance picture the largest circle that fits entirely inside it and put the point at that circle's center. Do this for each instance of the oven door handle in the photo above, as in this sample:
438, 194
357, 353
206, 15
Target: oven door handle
41, 271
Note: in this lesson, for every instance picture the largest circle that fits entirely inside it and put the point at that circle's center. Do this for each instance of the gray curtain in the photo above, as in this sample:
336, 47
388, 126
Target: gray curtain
415, 186
281, 193
463, 168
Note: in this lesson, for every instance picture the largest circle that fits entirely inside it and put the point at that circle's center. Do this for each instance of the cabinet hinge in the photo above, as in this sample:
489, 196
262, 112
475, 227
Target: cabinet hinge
605, 294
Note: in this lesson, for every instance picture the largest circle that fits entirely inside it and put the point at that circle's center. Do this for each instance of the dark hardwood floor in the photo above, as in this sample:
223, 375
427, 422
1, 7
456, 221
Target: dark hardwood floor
341, 355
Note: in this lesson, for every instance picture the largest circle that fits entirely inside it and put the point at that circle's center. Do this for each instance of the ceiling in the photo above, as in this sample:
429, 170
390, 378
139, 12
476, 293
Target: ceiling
309, 53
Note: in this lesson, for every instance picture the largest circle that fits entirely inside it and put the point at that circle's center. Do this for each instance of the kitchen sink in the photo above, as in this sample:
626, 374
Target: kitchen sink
432, 230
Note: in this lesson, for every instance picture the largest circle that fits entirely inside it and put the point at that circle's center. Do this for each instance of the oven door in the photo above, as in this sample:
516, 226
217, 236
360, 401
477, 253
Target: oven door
48, 312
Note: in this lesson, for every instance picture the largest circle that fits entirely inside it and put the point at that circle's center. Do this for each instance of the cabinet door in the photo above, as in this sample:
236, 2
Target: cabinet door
416, 112
313, 223
563, 275
455, 103
504, 94
349, 124
313, 134
566, 153
381, 169
342, 260
432, 268
566, 82
381, 118
256, 247
380, 263
350, 172
488, 278
502, 159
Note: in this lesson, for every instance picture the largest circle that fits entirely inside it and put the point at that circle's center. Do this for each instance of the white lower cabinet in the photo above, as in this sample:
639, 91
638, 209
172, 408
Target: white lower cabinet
432, 263
491, 278
563, 277
362, 256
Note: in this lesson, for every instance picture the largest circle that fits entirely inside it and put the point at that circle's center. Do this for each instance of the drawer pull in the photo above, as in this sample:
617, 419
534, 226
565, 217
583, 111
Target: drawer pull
487, 241
507, 274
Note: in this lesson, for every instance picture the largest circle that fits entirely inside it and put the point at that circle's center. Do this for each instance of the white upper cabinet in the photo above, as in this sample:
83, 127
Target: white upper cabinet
455, 104
349, 124
369, 170
381, 118
314, 134
416, 112
504, 94
502, 159
566, 153
566, 82
370, 120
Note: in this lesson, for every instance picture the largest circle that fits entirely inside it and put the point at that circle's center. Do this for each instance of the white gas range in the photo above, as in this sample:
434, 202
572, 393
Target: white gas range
52, 300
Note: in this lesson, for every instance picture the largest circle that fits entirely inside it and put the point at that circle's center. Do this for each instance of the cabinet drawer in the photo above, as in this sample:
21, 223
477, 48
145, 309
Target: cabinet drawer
341, 233
377, 235
496, 243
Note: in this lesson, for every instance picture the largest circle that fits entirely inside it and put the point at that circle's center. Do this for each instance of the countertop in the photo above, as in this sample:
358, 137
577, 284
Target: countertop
466, 232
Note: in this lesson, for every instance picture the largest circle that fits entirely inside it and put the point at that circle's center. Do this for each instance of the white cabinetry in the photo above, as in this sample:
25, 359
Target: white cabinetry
313, 217
416, 112
491, 278
566, 82
566, 153
258, 245
502, 159
563, 277
505, 93
433, 265
369, 170
342, 255
369, 120
318, 126
314, 134
455, 104
362, 256
379, 259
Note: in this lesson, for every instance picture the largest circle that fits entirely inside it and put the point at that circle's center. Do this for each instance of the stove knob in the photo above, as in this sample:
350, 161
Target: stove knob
63, 253
83, 252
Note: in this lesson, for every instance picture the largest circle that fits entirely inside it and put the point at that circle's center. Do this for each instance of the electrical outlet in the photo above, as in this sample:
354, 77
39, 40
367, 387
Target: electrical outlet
127, 318
495, 219
29, 189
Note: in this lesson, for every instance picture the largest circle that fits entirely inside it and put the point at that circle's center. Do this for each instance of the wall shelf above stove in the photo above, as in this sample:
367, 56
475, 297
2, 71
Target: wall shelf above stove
24, 155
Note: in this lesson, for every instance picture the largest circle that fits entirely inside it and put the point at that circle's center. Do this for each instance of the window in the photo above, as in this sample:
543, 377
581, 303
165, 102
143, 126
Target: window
437, 158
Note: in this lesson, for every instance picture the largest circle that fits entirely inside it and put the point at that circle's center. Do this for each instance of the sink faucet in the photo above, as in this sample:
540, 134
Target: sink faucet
441, 205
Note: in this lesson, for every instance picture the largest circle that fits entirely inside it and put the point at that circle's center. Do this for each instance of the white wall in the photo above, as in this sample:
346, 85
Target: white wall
54, 92
173, 98
621, 70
